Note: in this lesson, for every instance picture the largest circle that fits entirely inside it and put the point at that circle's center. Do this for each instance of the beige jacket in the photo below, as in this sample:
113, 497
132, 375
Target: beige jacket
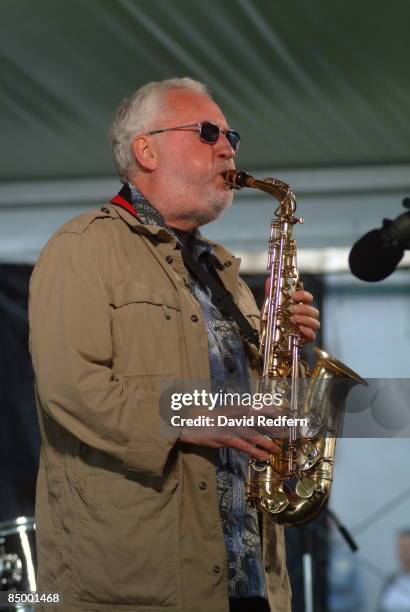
127, 518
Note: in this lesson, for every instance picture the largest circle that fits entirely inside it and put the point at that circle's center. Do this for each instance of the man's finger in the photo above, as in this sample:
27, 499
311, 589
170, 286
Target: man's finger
266, 443
299, 319
304, 309
307, 333
248, 448
302, 296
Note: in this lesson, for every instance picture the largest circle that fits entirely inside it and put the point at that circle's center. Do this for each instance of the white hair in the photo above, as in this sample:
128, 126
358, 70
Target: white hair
137, 114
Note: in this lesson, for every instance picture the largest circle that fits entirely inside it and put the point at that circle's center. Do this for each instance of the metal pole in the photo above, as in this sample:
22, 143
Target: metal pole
307, 569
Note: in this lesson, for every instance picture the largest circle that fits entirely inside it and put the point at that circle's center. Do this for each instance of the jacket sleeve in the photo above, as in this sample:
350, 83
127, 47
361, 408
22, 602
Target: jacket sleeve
72, 352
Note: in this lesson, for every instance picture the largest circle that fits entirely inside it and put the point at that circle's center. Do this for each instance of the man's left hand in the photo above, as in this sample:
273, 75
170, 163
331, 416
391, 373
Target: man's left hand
304, 315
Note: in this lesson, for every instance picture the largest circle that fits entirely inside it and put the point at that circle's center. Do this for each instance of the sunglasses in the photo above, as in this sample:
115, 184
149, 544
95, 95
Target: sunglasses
208, 133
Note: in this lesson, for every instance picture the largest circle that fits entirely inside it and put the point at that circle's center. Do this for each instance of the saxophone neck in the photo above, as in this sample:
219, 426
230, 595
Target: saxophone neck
237, 179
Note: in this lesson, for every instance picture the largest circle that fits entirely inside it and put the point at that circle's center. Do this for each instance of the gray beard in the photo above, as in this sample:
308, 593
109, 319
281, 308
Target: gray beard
203, 217
209, 215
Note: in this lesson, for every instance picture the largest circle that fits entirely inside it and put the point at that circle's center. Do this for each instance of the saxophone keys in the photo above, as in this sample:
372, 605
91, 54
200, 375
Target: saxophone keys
310, 456
275, 503
305, 487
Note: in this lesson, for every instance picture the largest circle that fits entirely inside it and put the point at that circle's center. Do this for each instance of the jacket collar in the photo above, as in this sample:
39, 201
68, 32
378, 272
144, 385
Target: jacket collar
123, 199
129, 213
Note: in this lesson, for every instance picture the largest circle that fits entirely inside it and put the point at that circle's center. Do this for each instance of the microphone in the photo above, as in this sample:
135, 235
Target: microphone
376, 255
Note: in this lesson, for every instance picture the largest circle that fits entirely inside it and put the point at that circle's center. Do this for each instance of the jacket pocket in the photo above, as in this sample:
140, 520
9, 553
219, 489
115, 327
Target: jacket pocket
145, 324
126, 543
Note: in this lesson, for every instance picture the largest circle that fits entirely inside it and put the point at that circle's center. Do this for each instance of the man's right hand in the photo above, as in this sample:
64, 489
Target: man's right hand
244, 442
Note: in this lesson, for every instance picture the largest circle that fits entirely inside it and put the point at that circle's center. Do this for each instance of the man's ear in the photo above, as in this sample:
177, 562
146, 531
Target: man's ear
145, 152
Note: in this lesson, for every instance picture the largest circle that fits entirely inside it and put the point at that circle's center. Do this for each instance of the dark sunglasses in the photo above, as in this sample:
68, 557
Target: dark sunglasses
208, 132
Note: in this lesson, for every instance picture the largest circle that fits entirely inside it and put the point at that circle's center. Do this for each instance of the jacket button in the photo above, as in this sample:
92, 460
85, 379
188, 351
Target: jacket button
203, 486
104, 209
216, 569
194, 319
267, 568
169, 259
227, 264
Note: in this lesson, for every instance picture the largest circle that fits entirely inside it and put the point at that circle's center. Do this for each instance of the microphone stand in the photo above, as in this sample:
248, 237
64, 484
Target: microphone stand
347, 536
306, 545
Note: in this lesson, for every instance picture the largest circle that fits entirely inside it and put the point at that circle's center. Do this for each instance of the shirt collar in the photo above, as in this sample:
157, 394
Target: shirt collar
145, 211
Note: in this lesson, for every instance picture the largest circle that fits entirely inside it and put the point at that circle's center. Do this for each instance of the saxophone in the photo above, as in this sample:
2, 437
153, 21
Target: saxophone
293, 487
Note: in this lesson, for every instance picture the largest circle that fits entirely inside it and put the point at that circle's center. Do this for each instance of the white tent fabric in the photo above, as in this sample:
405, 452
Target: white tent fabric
319, 91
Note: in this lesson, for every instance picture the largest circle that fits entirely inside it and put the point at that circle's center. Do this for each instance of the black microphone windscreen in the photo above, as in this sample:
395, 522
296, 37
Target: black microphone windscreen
372, 258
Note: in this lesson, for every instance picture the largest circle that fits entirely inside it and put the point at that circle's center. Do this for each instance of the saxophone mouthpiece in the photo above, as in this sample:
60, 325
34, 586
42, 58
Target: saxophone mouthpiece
236, 179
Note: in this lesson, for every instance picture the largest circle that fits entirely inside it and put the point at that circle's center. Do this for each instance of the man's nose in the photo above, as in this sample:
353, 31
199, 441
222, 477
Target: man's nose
224, 147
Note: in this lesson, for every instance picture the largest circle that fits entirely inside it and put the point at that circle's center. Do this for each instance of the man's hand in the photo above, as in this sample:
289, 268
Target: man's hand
245, 442
241, 437
304, 315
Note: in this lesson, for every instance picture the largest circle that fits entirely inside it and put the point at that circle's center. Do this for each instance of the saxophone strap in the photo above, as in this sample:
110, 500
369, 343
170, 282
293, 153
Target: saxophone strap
221, 297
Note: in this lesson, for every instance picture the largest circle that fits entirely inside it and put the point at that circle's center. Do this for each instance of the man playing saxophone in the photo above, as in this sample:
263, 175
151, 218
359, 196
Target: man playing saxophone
128, 518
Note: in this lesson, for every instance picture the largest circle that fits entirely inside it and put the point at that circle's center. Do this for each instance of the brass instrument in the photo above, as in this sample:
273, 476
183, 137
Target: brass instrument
294, 485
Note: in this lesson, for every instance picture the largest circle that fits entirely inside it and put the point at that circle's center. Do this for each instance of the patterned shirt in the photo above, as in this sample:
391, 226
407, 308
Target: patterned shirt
228, 368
